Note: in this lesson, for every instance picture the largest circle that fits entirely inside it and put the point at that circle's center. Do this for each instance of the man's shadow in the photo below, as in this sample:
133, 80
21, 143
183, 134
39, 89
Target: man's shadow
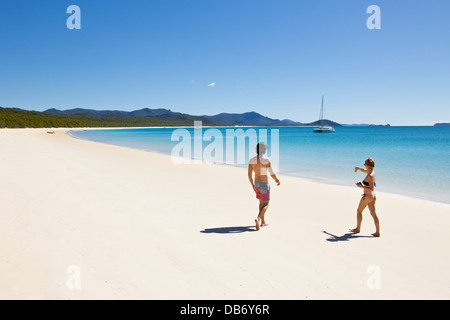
345, 237
228, 230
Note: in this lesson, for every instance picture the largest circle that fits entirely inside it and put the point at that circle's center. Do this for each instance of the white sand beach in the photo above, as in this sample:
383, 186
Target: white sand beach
140, 227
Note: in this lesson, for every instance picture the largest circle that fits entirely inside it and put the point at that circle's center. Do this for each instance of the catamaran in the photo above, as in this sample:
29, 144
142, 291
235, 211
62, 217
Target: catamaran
323, 128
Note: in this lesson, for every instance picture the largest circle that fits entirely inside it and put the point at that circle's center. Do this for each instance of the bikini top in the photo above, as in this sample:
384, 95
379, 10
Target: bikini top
367, 184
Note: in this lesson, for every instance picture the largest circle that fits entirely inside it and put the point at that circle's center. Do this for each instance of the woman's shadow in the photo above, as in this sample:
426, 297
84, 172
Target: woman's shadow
345, 237
229, 230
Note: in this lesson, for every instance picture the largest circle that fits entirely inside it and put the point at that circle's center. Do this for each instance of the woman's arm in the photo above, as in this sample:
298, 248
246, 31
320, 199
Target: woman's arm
361, 169
370, 186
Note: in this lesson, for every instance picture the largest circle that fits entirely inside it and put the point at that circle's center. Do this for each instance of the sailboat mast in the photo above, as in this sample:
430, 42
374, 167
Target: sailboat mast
322, 127
321, 113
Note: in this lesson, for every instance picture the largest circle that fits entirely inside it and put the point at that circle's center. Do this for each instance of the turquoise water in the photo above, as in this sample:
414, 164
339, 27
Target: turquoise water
408, 160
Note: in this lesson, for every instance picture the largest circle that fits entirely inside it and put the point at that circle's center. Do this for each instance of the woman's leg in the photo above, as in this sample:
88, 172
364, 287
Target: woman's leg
362, 205
373, 213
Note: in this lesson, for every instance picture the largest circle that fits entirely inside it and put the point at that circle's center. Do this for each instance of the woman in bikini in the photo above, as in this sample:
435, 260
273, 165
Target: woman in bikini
262, 168
368, 198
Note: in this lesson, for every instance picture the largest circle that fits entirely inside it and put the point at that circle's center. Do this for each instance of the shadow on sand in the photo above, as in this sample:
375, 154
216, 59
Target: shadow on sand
345, 237
230, 229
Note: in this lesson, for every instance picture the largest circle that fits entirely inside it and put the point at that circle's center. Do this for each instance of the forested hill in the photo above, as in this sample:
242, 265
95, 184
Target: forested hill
18, 118
73, 118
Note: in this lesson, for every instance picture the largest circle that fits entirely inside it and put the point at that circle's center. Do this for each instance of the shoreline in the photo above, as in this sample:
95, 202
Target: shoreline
140, 227
319, 179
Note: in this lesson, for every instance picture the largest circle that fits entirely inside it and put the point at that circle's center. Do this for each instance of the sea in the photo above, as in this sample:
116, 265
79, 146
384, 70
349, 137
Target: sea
409, 160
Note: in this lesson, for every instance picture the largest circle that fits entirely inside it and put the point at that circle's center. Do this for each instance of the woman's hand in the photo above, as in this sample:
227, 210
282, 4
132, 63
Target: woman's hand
356, 168
359, 184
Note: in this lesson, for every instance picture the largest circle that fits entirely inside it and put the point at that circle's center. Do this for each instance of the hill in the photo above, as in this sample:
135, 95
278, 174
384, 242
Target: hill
324, 122
146, 112
78, 117
222, 119
250, 118
17, 118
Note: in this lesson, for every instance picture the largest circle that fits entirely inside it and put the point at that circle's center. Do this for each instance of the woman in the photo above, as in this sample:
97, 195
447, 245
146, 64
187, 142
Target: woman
261, 166
368, 198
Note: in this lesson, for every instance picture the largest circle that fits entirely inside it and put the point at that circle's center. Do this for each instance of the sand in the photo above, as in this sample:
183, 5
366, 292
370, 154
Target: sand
84, 220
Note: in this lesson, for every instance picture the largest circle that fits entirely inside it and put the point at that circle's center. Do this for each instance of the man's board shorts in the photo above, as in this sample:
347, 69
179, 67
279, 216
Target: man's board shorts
262, 191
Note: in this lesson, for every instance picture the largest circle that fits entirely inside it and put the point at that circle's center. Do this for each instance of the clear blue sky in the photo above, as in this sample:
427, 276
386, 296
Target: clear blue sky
274, 57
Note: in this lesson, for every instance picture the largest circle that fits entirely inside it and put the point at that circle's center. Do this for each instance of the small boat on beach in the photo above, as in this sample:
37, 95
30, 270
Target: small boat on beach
322, 128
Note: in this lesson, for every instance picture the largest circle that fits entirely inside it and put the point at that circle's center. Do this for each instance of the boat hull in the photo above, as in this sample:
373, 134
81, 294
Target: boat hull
323, 130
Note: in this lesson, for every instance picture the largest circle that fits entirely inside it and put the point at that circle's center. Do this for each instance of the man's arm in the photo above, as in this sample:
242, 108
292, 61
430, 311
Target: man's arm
273, 175
250, 175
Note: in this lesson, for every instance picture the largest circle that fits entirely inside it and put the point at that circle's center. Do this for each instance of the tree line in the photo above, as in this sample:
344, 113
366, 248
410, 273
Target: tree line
18, 118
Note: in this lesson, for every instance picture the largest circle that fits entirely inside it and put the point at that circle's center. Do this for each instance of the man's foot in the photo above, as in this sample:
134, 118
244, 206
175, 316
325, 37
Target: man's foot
376, 234
257, 224
356, 230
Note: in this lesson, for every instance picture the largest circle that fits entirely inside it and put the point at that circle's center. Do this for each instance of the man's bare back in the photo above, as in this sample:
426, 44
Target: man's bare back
262, 168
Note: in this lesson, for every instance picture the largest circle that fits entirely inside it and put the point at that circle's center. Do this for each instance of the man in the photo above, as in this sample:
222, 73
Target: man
262, 167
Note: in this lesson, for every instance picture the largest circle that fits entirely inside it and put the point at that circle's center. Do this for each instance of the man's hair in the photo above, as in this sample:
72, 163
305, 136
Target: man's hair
261, 148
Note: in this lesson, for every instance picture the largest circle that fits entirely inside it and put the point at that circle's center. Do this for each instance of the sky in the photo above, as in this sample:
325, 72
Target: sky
204, 57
